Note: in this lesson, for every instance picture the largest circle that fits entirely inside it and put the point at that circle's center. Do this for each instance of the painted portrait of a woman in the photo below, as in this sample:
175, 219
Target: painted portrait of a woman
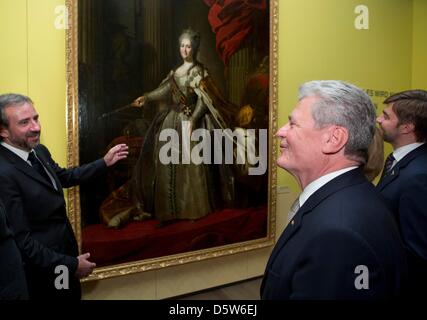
153, 70
181, 191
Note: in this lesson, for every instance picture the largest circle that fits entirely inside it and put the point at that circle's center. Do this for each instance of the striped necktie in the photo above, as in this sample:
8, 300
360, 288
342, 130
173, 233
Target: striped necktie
388, 165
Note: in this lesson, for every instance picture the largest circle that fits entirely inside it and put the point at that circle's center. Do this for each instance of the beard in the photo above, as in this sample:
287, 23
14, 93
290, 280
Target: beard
28, 142
386, 136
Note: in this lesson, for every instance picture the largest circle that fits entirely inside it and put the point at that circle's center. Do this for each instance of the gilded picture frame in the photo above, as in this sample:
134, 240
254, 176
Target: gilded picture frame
80, 40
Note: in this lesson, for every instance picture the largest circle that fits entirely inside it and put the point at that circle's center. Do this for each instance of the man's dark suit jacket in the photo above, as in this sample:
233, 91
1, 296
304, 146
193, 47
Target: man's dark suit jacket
341, 226
405, 191
13, 285
37, 216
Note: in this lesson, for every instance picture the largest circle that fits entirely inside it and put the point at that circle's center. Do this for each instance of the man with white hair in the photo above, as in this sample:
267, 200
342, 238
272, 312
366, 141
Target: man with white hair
341, 241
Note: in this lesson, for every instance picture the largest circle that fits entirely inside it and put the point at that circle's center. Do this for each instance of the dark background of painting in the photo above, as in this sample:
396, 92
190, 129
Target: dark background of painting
126, 48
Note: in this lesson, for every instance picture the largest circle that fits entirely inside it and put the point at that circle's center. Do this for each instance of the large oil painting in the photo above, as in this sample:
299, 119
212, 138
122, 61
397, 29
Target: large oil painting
191, 87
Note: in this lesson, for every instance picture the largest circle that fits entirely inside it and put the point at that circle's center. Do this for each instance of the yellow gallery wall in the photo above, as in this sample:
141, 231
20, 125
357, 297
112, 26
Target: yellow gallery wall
419, 70
317, 40
32, 62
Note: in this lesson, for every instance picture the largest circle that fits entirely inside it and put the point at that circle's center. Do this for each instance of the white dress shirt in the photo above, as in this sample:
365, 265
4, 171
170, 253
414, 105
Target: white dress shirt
315, 185
19, 152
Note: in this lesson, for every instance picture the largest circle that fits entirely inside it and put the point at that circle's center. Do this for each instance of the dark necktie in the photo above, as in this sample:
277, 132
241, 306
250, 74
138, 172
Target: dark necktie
37, 165
388, 165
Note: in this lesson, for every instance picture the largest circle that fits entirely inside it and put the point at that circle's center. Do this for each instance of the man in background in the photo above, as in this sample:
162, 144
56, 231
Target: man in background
404, 179
341, 241
31, 189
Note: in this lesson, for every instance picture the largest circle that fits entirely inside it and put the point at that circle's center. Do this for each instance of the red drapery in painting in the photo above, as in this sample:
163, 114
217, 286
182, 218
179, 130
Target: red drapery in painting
143, 240
233, 21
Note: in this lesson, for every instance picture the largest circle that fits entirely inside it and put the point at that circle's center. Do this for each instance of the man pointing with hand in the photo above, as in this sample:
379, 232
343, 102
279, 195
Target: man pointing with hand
31, 189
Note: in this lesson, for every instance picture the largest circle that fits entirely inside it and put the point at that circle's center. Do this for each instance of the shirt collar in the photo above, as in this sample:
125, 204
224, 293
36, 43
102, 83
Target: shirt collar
401, 152
19, 152
320, 182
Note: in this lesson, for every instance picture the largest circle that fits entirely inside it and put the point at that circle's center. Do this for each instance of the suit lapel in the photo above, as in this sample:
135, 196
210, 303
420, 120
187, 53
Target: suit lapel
345, 180
388, 179
401, 165
24, 167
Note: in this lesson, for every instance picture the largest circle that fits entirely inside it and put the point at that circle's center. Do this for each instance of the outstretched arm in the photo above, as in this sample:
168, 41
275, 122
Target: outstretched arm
77, 175
158, 94
116, 153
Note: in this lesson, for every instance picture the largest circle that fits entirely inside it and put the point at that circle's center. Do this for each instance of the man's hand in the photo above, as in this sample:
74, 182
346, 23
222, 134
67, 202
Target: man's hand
116, 153
85, 267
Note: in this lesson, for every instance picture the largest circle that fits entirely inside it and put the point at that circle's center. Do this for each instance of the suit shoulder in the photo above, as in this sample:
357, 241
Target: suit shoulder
415, 169
420, 162
43, 149
356, 196
353, 207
